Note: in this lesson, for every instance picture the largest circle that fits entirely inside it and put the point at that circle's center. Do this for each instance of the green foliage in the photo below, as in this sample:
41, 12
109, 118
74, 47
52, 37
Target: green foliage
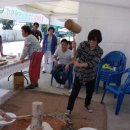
7, 24
44, 27
30, 25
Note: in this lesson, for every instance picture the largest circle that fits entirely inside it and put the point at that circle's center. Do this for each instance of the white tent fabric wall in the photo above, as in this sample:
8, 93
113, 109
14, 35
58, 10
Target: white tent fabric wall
56, 9
113, 23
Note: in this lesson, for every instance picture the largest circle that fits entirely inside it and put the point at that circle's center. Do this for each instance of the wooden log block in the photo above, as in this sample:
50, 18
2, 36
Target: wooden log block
37, 112
72, 26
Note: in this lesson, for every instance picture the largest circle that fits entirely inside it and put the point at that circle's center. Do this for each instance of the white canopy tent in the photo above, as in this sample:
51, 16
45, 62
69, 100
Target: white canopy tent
121, 3
59, 9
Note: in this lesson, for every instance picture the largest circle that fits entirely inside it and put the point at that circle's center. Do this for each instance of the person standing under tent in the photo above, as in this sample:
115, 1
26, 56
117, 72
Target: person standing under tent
49, 47
87, 57
33, 50
36, 32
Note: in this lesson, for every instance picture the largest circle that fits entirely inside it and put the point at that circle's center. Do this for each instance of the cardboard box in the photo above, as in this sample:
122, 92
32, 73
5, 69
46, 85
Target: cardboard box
18, 81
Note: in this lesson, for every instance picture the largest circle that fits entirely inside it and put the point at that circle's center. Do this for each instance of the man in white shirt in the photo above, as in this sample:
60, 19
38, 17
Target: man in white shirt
63, 56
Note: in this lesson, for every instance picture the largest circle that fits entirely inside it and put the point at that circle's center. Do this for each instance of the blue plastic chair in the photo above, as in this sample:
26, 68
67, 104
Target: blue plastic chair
115, 59
70, 77
118, 91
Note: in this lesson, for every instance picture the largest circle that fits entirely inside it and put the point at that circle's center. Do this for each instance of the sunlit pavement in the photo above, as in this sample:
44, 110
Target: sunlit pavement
13, 47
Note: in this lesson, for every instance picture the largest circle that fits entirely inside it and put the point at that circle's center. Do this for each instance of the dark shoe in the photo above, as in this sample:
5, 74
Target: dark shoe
36, 85
31, 86
89, 109
43, 72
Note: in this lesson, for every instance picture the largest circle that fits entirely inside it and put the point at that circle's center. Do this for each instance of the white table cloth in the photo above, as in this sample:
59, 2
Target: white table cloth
11, 67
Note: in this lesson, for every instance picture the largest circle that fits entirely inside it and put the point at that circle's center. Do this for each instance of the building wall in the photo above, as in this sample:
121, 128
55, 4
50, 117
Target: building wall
114, 23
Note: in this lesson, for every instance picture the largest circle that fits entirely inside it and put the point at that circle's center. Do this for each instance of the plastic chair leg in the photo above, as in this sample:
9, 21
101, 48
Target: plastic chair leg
70, 81
26, 79
51, 80
70, 78
104, 85
119, 103
115, 96
9, 77
104, 93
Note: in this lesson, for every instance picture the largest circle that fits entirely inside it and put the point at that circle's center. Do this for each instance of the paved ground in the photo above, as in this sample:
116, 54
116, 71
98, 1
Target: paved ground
120, 122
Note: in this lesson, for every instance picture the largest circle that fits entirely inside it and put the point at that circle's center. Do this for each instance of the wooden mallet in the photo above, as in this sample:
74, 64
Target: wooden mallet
72, 26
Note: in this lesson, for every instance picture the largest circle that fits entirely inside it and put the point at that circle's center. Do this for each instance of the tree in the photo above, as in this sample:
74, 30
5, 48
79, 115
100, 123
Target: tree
44, 27
30, 25
7, 24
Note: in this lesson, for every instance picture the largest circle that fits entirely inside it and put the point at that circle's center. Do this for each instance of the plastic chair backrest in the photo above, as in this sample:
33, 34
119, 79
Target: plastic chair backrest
116, 59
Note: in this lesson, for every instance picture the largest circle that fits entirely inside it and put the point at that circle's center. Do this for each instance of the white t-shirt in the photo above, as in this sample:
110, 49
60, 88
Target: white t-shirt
63, 57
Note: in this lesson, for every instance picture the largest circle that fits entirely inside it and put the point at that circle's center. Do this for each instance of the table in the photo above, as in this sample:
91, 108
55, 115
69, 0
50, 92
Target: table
12, 66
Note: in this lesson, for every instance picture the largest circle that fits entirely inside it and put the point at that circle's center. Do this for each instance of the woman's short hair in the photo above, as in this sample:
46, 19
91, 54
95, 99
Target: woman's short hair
64, 40
36, 24
26, 29
95, 34
51, 28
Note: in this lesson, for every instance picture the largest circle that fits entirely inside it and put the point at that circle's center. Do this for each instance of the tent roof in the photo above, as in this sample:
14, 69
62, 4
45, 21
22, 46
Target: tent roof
59, 9
56, 9
121, 3
45, 6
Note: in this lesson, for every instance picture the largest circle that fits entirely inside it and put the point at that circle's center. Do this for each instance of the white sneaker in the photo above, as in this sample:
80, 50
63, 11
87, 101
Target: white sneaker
70, 90
58, 85
89, 109
62, 86
68, 113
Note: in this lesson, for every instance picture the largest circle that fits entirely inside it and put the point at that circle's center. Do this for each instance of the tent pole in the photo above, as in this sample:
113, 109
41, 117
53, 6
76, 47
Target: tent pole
49, 19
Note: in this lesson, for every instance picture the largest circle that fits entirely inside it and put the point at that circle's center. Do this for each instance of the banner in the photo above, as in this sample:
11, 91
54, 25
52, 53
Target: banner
21, 16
